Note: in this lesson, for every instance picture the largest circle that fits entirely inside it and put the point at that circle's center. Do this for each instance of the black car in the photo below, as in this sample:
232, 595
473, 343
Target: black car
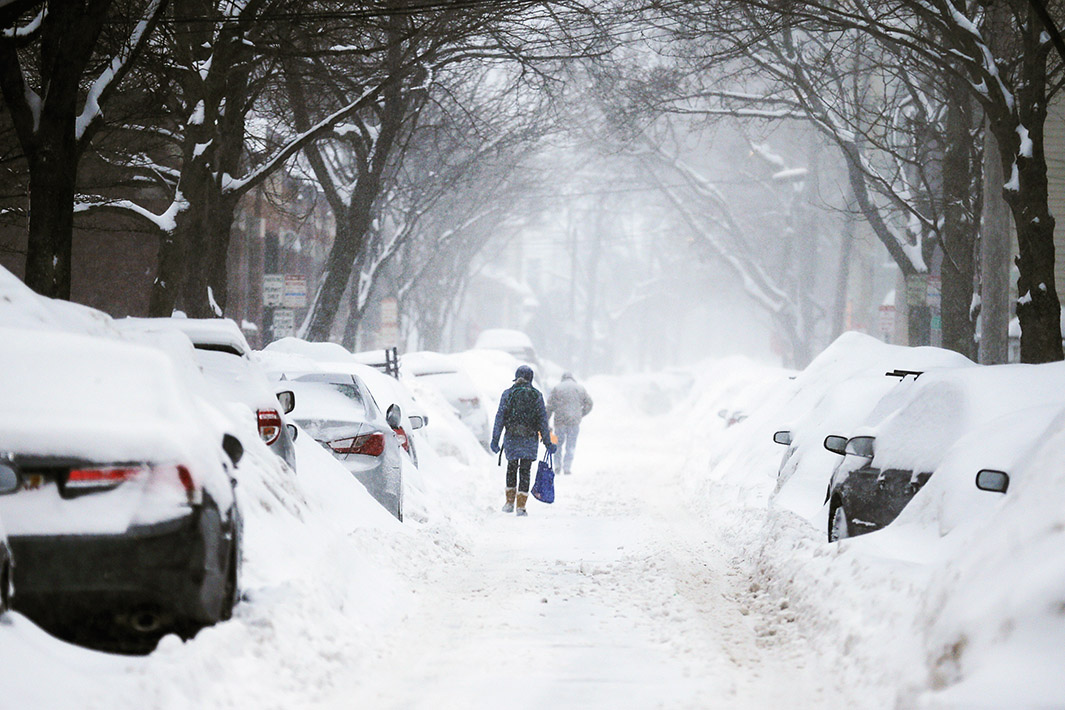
124, 523
8, 483
862, 498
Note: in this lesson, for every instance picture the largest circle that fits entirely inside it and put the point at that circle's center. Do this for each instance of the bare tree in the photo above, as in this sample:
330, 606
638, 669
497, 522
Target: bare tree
909, 139
1003, 60
60, 66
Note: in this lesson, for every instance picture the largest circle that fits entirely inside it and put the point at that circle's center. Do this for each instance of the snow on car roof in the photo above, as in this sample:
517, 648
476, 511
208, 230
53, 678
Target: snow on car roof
21, 307
426, 362
503, 338
320, 352
219, 332
915, 425
74, 395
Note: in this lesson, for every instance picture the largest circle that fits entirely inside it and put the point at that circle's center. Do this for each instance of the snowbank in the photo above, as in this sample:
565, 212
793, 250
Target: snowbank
956, 604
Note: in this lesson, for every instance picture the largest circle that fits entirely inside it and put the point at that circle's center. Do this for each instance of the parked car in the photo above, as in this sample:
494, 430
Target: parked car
861, 497
224, 357
289, 358
339, 412
443, 373
8, 484
914, 428
124, 523
509, 341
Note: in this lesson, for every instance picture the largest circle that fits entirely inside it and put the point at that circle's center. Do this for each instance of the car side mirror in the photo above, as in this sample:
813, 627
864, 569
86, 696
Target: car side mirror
994, 481
836, 444
287, 400
293, 431
860, 446
782, 437
233, 448
417, 421
394, 416
8, 478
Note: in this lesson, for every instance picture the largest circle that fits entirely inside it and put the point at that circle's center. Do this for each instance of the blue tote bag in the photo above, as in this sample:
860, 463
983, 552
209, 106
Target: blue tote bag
543, 488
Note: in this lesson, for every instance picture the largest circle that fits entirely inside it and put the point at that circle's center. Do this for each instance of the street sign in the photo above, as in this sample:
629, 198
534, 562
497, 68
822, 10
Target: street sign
295, 291
388, 332
887, 320
916, 289
273, 289
935, 291
284, 323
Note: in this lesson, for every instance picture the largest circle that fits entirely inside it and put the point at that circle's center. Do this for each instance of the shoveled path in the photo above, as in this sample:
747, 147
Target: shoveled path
616, 596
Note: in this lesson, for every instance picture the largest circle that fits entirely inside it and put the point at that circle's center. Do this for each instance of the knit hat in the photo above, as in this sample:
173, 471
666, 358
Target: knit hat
524, 373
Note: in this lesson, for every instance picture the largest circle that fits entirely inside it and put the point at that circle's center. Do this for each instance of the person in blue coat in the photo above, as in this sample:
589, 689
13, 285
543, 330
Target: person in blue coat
523, 416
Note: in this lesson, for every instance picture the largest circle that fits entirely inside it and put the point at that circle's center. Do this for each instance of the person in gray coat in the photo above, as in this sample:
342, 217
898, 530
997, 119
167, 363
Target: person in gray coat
570, 403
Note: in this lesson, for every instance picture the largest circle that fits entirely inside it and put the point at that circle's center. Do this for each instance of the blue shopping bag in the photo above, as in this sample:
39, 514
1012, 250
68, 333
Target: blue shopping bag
543, 488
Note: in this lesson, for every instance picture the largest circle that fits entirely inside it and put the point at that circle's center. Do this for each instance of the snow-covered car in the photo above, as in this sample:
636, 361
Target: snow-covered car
509, 341
224, 357
444, 374
8, 484
124, 524
289, 358
913, 429
338, 411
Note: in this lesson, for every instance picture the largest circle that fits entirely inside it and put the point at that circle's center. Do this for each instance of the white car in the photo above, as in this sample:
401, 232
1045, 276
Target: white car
444, 374
514, 342
224, 356
292, 357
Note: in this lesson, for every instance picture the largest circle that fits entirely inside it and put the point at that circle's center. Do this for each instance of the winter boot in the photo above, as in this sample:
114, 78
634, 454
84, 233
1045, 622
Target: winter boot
522, 497
509, 506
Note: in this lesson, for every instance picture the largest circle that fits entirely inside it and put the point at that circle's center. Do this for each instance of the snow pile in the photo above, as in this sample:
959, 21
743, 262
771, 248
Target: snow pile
996, 617
956, 604
326, 570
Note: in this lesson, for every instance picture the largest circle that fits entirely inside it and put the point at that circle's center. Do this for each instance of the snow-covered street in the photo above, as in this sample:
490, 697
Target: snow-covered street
623, 594
618, 595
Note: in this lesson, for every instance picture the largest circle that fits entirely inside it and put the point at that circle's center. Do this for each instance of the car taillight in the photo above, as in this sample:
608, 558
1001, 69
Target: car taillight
109, 477
87, 480
470, 401
170, 480
402, 436
367, 444
269, 425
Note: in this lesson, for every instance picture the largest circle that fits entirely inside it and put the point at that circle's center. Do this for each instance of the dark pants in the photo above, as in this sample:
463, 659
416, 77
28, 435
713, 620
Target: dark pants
514, 467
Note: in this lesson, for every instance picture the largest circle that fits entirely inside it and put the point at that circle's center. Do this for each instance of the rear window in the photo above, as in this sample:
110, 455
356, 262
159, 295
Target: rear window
219, 348
337, 383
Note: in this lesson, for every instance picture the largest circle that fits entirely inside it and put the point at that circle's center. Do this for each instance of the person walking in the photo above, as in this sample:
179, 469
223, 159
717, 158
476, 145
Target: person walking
524, 417
570, 403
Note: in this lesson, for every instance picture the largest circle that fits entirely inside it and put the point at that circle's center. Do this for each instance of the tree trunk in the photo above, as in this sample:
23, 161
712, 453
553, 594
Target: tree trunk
1024, 162
994, 260
170, 265
346, 245
958, 233
839, 310
53, 173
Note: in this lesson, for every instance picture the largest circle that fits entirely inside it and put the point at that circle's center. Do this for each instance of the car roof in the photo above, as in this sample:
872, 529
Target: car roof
222, 334
503, 338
